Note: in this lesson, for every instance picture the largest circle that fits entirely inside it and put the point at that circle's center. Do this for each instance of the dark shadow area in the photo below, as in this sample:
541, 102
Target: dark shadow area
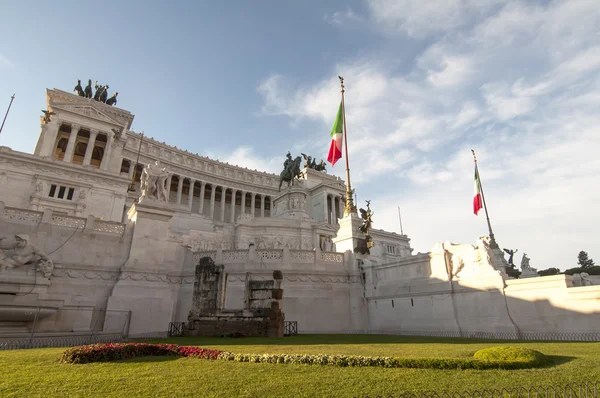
558, 360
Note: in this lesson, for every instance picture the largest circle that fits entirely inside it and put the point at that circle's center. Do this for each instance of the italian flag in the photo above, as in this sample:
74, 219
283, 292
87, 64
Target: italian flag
477, 202
335, 149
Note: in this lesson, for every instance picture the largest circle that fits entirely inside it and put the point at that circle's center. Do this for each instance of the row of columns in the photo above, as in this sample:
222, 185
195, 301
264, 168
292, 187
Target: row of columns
213, 188
333, 208
90, 146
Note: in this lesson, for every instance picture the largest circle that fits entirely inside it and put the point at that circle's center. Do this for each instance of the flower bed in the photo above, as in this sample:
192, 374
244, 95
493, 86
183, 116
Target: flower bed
114, 352
494, 358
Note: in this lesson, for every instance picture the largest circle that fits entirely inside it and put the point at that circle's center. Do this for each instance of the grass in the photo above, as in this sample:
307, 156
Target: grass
36, 372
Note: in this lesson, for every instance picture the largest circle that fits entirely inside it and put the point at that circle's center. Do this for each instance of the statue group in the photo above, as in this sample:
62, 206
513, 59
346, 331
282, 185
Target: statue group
311, 163
101, 94
154, 181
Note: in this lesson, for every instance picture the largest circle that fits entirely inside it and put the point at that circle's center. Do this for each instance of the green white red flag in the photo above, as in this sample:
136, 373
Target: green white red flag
335, 148
477, 202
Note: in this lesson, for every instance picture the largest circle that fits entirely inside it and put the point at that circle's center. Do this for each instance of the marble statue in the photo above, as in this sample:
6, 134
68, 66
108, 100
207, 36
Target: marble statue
460, 255
24, 253
153, 182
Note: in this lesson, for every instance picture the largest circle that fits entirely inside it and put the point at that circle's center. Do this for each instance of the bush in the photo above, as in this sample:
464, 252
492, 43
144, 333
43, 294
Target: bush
595, 270
510, 354
119, 351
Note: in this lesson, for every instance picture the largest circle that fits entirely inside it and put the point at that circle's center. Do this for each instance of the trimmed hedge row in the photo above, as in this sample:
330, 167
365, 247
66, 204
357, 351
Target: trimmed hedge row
501, 358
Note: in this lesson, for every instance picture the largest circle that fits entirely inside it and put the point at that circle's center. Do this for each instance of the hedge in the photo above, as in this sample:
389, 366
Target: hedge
502, 358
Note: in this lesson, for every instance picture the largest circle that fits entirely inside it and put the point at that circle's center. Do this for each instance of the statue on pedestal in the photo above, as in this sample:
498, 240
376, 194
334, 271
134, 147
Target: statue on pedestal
24, 253
153, 181
291, 170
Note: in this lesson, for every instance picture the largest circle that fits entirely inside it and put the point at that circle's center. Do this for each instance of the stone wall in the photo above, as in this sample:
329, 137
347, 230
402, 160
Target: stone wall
87, 255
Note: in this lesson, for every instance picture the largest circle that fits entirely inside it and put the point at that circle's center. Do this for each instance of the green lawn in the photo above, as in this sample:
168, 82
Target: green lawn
29, 373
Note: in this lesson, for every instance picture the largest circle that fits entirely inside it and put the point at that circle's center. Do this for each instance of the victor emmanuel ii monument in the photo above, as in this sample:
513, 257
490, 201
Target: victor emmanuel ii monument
107, 226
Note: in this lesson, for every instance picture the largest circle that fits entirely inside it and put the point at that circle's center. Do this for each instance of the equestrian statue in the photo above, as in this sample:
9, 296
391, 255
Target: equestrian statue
291, 170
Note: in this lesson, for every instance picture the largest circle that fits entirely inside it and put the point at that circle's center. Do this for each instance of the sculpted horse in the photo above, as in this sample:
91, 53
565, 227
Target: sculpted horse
291, 172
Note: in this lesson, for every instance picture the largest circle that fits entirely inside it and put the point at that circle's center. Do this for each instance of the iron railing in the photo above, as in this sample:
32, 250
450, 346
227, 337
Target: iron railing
533, 336
290, 328
571, 390
176, 329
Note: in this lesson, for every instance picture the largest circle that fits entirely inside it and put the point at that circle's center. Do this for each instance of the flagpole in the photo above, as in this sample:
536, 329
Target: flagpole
132, 186
400, 219
492, 239
349, 208
8, 110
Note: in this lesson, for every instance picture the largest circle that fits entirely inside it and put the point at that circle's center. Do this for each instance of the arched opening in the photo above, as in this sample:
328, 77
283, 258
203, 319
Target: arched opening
81, 143
125, 166
98, 151
62, 141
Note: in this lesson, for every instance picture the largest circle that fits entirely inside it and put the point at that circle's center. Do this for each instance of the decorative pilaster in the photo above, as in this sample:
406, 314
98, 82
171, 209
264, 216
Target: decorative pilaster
334, 208
90, 147
71, 145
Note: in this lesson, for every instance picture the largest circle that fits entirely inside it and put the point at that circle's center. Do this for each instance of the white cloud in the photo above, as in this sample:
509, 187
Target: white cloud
246, 157
517, 82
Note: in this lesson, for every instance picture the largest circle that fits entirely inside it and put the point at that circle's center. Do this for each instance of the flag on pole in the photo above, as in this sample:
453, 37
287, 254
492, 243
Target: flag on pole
335, 149
477, 202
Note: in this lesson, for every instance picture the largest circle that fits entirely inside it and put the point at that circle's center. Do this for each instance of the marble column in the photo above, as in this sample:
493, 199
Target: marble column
223, 193
179, 188
90, 147
107, 152
335, 210
202, 192
191, 194
253, 203
212, 200
233, 193
325, 208
131, 169
243, 203
262, 205
168, 187
71, 145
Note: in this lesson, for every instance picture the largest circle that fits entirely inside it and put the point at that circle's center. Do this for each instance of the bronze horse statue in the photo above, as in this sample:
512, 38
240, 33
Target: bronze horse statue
291, 172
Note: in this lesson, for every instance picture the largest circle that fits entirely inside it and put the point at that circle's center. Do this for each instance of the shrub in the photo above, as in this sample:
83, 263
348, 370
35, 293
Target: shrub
511, 354
118, 351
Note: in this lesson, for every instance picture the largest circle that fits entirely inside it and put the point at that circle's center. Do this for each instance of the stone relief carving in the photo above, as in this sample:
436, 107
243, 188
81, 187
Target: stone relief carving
21, 252
461, 255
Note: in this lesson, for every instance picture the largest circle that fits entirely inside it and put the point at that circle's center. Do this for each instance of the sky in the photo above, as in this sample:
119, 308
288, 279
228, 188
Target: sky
426, 82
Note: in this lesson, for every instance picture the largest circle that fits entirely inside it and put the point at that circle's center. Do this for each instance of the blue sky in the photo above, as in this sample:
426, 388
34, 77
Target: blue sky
244, 82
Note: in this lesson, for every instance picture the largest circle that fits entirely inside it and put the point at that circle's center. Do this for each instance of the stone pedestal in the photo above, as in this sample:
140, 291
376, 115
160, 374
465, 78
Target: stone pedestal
349, 235
291, 204
148, 282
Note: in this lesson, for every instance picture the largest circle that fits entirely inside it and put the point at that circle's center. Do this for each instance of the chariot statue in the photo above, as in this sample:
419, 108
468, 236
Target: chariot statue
153, 182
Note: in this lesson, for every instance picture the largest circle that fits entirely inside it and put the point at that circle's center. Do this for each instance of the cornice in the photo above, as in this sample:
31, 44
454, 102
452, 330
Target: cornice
45, 166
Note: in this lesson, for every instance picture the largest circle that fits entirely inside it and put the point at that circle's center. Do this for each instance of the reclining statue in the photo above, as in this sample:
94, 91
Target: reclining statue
24, 253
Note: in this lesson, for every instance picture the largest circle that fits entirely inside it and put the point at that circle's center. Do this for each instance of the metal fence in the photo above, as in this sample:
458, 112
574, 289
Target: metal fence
290, 328
37, 327
176, 329
533, 336
571, 390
